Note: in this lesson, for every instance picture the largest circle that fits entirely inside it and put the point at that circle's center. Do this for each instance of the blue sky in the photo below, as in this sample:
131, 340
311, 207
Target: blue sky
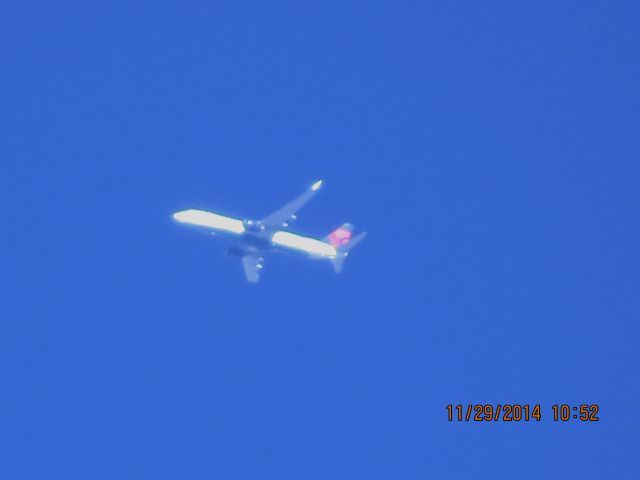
491, 152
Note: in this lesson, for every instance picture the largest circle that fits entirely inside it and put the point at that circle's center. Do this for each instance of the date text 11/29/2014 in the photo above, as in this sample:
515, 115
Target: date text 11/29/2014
516, 412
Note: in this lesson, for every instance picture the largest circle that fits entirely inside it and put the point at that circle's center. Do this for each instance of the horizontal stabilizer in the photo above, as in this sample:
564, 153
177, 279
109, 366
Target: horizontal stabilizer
344, 249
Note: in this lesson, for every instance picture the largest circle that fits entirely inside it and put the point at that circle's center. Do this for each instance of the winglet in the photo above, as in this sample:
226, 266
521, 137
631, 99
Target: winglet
316, 185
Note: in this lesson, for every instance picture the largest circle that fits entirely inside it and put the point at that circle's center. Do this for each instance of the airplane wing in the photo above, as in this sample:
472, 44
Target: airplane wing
287, 213
211, 220
252, 266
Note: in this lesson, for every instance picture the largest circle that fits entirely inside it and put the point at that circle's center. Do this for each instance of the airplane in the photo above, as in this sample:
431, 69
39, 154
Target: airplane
257, 237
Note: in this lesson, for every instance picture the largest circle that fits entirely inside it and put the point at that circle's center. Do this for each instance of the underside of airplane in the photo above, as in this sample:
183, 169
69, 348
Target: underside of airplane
255, 238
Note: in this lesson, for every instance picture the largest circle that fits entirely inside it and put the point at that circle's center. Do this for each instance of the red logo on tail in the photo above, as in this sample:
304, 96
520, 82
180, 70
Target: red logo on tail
339, 237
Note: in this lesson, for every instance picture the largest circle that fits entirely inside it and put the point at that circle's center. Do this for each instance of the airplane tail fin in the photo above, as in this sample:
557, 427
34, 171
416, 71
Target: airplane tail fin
343, 240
